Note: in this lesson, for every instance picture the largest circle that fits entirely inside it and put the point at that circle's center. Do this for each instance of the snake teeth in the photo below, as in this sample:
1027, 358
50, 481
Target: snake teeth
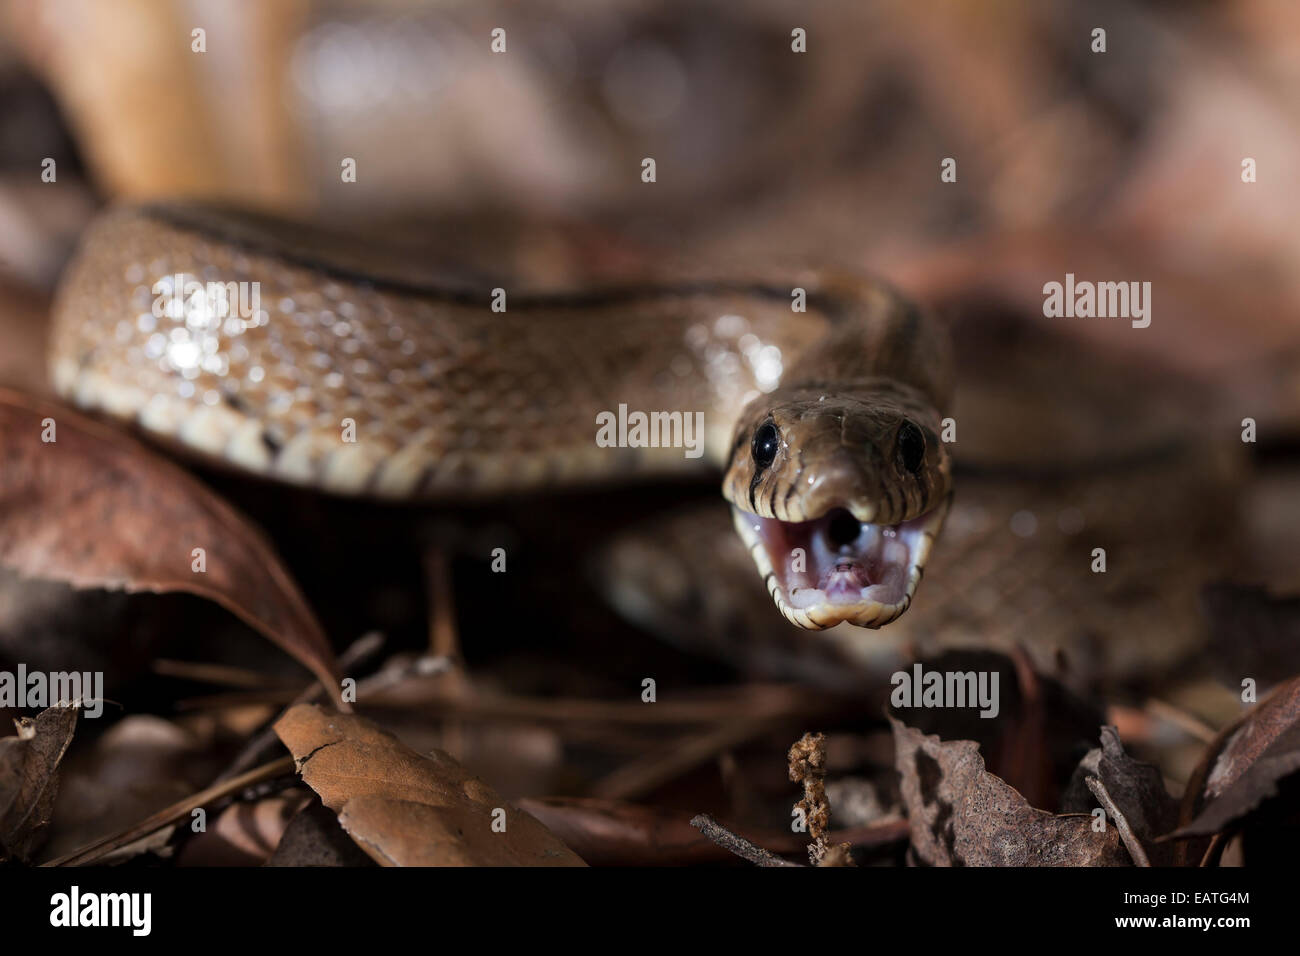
835, 568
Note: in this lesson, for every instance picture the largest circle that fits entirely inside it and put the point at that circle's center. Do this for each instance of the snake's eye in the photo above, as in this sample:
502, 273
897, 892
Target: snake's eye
766, 440
911, 447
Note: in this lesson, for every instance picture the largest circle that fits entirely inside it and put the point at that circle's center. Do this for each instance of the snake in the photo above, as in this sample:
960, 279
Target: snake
318, 359
1098, 494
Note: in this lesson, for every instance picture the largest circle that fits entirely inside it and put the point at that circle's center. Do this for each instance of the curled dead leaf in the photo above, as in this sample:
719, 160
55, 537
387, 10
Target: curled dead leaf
96, 509
135, 767
407, 809
1137, 793
314, 838
29, 778
1245, 764
962, 815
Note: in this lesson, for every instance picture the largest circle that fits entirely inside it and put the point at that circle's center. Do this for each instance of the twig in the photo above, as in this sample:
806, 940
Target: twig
443, 638
173, 814
736, 844
1131, 842
1188, 723
636, 778
220, 674
444, 643
765, 701
613, 832
258, 746
1214, 852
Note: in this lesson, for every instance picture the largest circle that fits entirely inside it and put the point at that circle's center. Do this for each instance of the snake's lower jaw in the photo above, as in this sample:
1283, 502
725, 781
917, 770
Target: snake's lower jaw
835, 569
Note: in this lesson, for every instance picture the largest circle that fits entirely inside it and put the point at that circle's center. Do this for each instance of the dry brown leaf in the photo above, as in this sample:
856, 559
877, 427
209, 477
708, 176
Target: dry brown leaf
962, 815
246, 833
1244, 765
29, 778
1137, 790
1257, 785
314, 838
407, 809
95, 508
136, 767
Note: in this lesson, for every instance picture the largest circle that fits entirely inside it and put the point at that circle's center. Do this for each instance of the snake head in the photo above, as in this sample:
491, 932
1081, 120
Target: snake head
839, 496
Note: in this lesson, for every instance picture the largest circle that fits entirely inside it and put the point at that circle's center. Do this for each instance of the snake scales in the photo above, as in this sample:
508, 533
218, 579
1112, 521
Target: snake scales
342, 375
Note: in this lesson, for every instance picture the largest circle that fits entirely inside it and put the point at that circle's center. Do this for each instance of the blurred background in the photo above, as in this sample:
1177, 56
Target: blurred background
529, 161
1125, 164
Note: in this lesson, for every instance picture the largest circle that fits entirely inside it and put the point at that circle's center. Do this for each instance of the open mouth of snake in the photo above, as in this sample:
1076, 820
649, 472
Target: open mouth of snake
836, 568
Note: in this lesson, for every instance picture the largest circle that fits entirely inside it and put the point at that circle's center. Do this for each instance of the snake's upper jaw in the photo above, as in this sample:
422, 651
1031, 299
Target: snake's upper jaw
836, 568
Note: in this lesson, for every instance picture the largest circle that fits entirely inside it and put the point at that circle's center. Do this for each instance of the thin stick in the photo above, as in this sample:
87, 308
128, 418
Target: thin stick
1188, 723
257, 747
1131, 842
636, 778
736, 844
220, 674
444, 642
1214, 851
767, 701
443, 639
173, 814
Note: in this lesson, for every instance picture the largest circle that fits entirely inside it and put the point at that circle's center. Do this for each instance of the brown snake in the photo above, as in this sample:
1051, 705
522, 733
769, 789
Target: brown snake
336, 375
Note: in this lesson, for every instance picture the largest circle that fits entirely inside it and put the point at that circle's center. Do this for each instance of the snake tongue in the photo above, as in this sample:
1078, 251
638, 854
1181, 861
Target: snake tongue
838, 568
845, 582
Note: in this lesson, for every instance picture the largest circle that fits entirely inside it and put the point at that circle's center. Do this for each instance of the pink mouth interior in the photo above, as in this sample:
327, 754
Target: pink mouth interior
844, 561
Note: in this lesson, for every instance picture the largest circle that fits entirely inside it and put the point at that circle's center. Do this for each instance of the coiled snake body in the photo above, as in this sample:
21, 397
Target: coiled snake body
319, 371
